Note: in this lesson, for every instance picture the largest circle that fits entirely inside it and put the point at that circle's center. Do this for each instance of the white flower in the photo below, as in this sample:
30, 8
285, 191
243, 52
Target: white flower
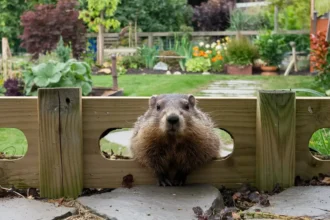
201, 44
213, 45
207, 45
218, 47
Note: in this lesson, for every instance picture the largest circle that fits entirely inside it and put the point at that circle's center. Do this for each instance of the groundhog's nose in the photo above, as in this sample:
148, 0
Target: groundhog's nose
173, 119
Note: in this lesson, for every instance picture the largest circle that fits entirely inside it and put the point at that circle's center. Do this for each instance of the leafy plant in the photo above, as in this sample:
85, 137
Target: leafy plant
198, 64
100, 13
63, 52
58, 74
14, 87
44, 25
212, 15
183, 47
132, 62
240, 51
271, 48
148, 54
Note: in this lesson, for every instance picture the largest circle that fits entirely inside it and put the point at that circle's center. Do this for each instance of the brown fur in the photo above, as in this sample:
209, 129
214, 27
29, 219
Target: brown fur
193, 144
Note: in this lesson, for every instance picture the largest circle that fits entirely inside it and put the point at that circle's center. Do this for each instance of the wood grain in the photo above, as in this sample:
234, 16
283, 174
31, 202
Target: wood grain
21, 113
236, 115
71, 141
276, 115
50, 161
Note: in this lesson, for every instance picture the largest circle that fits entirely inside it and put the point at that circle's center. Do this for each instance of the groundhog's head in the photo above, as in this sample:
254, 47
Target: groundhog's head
172, 112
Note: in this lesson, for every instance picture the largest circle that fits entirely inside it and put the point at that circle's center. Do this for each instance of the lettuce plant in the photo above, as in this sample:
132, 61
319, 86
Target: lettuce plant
52, 74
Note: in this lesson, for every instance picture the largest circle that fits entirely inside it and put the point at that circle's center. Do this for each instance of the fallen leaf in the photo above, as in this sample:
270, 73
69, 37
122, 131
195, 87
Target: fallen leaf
326, 180
198, 211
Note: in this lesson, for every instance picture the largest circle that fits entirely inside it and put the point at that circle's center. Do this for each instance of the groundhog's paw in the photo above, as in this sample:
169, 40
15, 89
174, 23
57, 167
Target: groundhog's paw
163, 180
180, 178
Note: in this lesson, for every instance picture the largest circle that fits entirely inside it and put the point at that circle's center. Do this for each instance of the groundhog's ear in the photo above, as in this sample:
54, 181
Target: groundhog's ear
192, 100
152, 100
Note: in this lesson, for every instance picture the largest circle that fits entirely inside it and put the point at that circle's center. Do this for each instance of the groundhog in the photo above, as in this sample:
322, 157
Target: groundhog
174, 136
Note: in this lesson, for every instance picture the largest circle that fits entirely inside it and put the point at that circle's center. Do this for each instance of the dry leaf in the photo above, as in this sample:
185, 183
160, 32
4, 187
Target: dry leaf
326, 180
128, 181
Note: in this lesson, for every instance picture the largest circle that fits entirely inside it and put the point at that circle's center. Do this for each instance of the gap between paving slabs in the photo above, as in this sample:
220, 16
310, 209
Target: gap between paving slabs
242, 203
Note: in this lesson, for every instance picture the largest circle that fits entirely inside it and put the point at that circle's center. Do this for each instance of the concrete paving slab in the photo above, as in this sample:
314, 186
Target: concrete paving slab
23, 209
152, 202
311, 201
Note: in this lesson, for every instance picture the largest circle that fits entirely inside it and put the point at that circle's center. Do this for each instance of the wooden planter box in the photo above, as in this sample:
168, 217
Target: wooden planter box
239, 70
106, 91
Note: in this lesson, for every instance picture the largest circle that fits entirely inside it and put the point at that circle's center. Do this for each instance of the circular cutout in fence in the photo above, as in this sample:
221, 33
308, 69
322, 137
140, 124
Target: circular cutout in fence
227, 141
115, 144
13, 144
319, 144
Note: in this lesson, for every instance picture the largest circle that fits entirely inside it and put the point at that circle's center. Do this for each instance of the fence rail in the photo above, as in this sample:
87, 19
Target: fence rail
271, 135
110, 38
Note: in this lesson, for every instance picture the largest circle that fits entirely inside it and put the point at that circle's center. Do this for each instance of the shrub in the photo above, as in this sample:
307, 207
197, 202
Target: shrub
212, 15
14, 87
198, 64
57, 74
44, 25
132, 62
271, 48
240, 20
173, 63
240, 51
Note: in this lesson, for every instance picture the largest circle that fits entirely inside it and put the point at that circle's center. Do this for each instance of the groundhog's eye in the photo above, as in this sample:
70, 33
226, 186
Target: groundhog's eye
158, 107
186, 106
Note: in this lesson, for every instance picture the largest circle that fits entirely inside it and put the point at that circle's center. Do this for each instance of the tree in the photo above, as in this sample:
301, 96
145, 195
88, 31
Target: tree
10, 11
99, 17
156, 15
293, 14
44, 26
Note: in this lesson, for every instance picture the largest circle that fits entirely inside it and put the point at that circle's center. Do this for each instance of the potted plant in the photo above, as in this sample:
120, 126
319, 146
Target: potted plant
240, 55
271, 49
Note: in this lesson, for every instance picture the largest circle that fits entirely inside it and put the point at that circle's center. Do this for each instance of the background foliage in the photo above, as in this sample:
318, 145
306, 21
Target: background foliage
156, 15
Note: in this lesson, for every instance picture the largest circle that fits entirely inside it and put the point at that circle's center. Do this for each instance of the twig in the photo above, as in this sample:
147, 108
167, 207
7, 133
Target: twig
10, 190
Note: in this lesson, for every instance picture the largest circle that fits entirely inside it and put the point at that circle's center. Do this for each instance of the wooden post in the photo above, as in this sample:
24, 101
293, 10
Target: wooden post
6, 54
114, 72
276, 133
100, 43
60, 142
150, 40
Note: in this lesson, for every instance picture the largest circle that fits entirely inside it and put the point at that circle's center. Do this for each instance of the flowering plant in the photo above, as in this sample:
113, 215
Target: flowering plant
213, 52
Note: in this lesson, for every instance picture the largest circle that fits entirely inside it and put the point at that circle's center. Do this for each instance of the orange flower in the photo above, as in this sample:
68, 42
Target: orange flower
195, 48
201, 53
196, 54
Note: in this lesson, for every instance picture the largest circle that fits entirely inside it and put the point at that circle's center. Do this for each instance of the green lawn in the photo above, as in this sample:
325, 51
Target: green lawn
13, 142
147, 85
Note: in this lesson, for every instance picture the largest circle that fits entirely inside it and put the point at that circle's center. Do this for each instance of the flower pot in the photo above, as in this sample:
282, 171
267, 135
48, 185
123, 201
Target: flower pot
239, 70
269, 68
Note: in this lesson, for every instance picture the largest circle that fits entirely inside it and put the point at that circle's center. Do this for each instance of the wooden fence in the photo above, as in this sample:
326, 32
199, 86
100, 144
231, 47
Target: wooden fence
111, 39
271, 134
